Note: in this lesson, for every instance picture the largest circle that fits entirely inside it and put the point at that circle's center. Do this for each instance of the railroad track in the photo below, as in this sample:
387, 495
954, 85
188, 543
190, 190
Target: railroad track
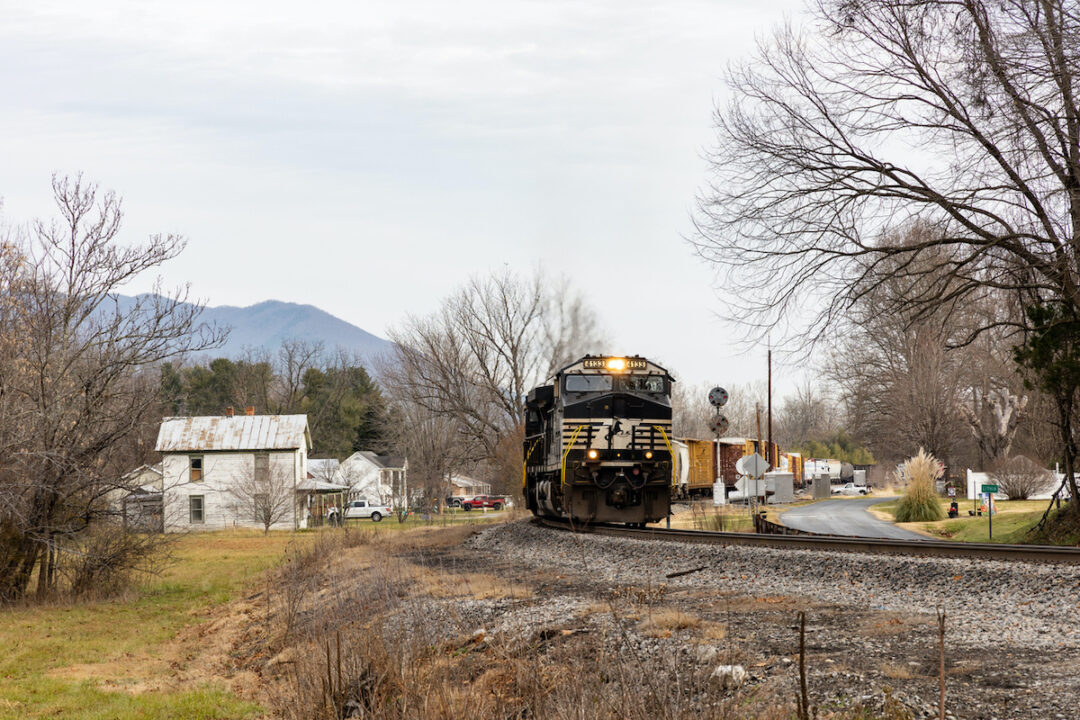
921, 548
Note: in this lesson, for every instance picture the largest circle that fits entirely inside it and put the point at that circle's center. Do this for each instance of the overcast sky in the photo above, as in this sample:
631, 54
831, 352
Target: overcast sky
368, 157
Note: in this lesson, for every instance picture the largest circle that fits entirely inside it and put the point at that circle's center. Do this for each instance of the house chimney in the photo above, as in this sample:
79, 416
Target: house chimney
229, 411
249, 410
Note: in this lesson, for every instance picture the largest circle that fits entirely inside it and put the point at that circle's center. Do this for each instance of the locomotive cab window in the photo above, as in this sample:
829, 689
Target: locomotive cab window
532, 422
641, 383
588, 383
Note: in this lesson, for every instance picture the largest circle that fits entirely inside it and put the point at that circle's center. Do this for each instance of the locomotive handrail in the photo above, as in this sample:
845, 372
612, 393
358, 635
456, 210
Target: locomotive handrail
674, 457
525, 464
569, 447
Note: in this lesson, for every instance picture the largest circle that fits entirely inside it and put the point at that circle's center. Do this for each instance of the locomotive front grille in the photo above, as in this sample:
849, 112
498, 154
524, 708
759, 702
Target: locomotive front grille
631, 435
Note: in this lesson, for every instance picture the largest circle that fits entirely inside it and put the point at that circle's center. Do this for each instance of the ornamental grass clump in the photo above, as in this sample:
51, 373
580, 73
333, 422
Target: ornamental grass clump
920, 501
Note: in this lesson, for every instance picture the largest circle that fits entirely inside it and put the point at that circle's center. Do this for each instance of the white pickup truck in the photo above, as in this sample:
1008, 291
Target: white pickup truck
850, 489
358, 509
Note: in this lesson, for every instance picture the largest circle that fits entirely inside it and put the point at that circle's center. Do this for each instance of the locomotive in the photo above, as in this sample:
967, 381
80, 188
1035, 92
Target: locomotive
598, 446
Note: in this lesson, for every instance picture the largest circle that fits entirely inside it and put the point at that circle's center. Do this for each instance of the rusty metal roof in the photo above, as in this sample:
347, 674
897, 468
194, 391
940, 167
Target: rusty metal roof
238, 432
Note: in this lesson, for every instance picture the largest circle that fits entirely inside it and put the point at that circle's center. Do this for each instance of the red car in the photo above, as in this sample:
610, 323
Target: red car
495, 502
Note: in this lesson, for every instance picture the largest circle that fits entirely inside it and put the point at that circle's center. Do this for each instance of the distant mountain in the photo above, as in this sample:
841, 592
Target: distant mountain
265, 325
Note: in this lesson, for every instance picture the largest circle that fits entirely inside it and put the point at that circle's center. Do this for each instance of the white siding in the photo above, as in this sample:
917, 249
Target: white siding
221, 471
364, 479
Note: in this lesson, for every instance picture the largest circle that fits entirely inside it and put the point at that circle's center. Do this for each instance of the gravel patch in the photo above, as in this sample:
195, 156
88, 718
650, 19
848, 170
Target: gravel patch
998, 604
1012, 650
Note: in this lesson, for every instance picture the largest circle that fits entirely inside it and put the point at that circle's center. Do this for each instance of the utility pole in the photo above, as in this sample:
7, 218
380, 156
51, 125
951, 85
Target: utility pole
757, 414
769, 455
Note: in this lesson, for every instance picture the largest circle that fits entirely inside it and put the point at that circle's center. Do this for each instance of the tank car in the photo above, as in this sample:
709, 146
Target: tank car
598, 445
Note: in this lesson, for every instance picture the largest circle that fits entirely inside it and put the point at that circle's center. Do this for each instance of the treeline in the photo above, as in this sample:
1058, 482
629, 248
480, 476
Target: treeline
458, 377
940, 286
346, 409
959, 380
78, 393
805, 421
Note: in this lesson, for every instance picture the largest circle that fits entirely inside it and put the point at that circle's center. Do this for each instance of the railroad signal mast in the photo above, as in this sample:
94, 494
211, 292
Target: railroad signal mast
718, 398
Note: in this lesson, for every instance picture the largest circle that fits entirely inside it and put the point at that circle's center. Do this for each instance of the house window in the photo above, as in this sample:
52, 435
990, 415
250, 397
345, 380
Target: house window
195, 509
262, 468
196, 469
262, 507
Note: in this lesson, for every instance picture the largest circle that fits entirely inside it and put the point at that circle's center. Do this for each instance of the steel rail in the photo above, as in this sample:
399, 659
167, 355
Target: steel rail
843, 543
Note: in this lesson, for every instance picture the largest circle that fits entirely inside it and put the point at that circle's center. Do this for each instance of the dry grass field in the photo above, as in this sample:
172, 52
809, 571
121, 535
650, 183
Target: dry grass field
162, 649
138, 656
386, 621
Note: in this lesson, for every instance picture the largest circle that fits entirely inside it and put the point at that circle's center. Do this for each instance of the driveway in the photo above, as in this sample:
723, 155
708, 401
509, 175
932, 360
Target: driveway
845, 517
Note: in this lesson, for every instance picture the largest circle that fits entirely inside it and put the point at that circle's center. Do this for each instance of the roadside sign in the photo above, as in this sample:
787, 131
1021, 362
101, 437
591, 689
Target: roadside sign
754, 465
952, 492
989, 490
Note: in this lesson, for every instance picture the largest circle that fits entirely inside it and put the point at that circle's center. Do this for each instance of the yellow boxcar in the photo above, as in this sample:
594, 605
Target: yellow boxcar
702, 466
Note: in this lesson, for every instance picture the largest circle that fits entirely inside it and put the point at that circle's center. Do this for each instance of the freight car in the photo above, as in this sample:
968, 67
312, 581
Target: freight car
598, 444
696, 467
703, 462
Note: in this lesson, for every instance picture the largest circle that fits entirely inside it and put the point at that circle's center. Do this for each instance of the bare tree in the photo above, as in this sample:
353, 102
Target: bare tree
77, 380
264, 492
1020, 477
295, 358
255, 380
429, 440
474, 360
902, 386
813, 173
747, 402
807, 414
570, 327
691, 413
995, 428
996, 401
962, 114
465, 370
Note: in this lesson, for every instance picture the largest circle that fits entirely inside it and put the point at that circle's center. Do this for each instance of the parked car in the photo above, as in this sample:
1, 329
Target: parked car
452, 501
853, 489
359, 509
495, 502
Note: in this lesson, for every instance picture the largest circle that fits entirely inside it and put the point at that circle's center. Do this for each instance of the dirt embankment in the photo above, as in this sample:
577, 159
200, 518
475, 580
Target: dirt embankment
516, 621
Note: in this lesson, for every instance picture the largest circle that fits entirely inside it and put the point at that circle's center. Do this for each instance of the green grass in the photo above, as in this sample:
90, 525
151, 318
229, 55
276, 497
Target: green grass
44, 697
1011, 522
111, 659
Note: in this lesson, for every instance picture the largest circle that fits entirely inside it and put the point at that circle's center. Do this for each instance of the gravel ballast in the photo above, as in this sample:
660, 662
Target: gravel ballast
998, 603
1013, 648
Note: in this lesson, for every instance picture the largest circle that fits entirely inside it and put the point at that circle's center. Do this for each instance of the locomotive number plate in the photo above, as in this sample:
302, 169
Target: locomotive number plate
605, 363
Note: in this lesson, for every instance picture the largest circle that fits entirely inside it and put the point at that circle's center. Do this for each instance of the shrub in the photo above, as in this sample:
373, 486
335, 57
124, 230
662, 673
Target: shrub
1020, 477
920, 502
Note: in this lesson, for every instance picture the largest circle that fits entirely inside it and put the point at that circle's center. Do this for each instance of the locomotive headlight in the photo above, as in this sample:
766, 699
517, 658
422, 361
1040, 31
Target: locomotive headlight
648, 455
593, 454
616, 364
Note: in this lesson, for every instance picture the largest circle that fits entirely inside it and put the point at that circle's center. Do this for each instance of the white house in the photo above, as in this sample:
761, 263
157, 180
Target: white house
382, 478
463, 486
1044, 491
218, 471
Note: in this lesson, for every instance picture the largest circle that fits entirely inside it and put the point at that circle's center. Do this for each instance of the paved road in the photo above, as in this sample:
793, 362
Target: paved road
845, 517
